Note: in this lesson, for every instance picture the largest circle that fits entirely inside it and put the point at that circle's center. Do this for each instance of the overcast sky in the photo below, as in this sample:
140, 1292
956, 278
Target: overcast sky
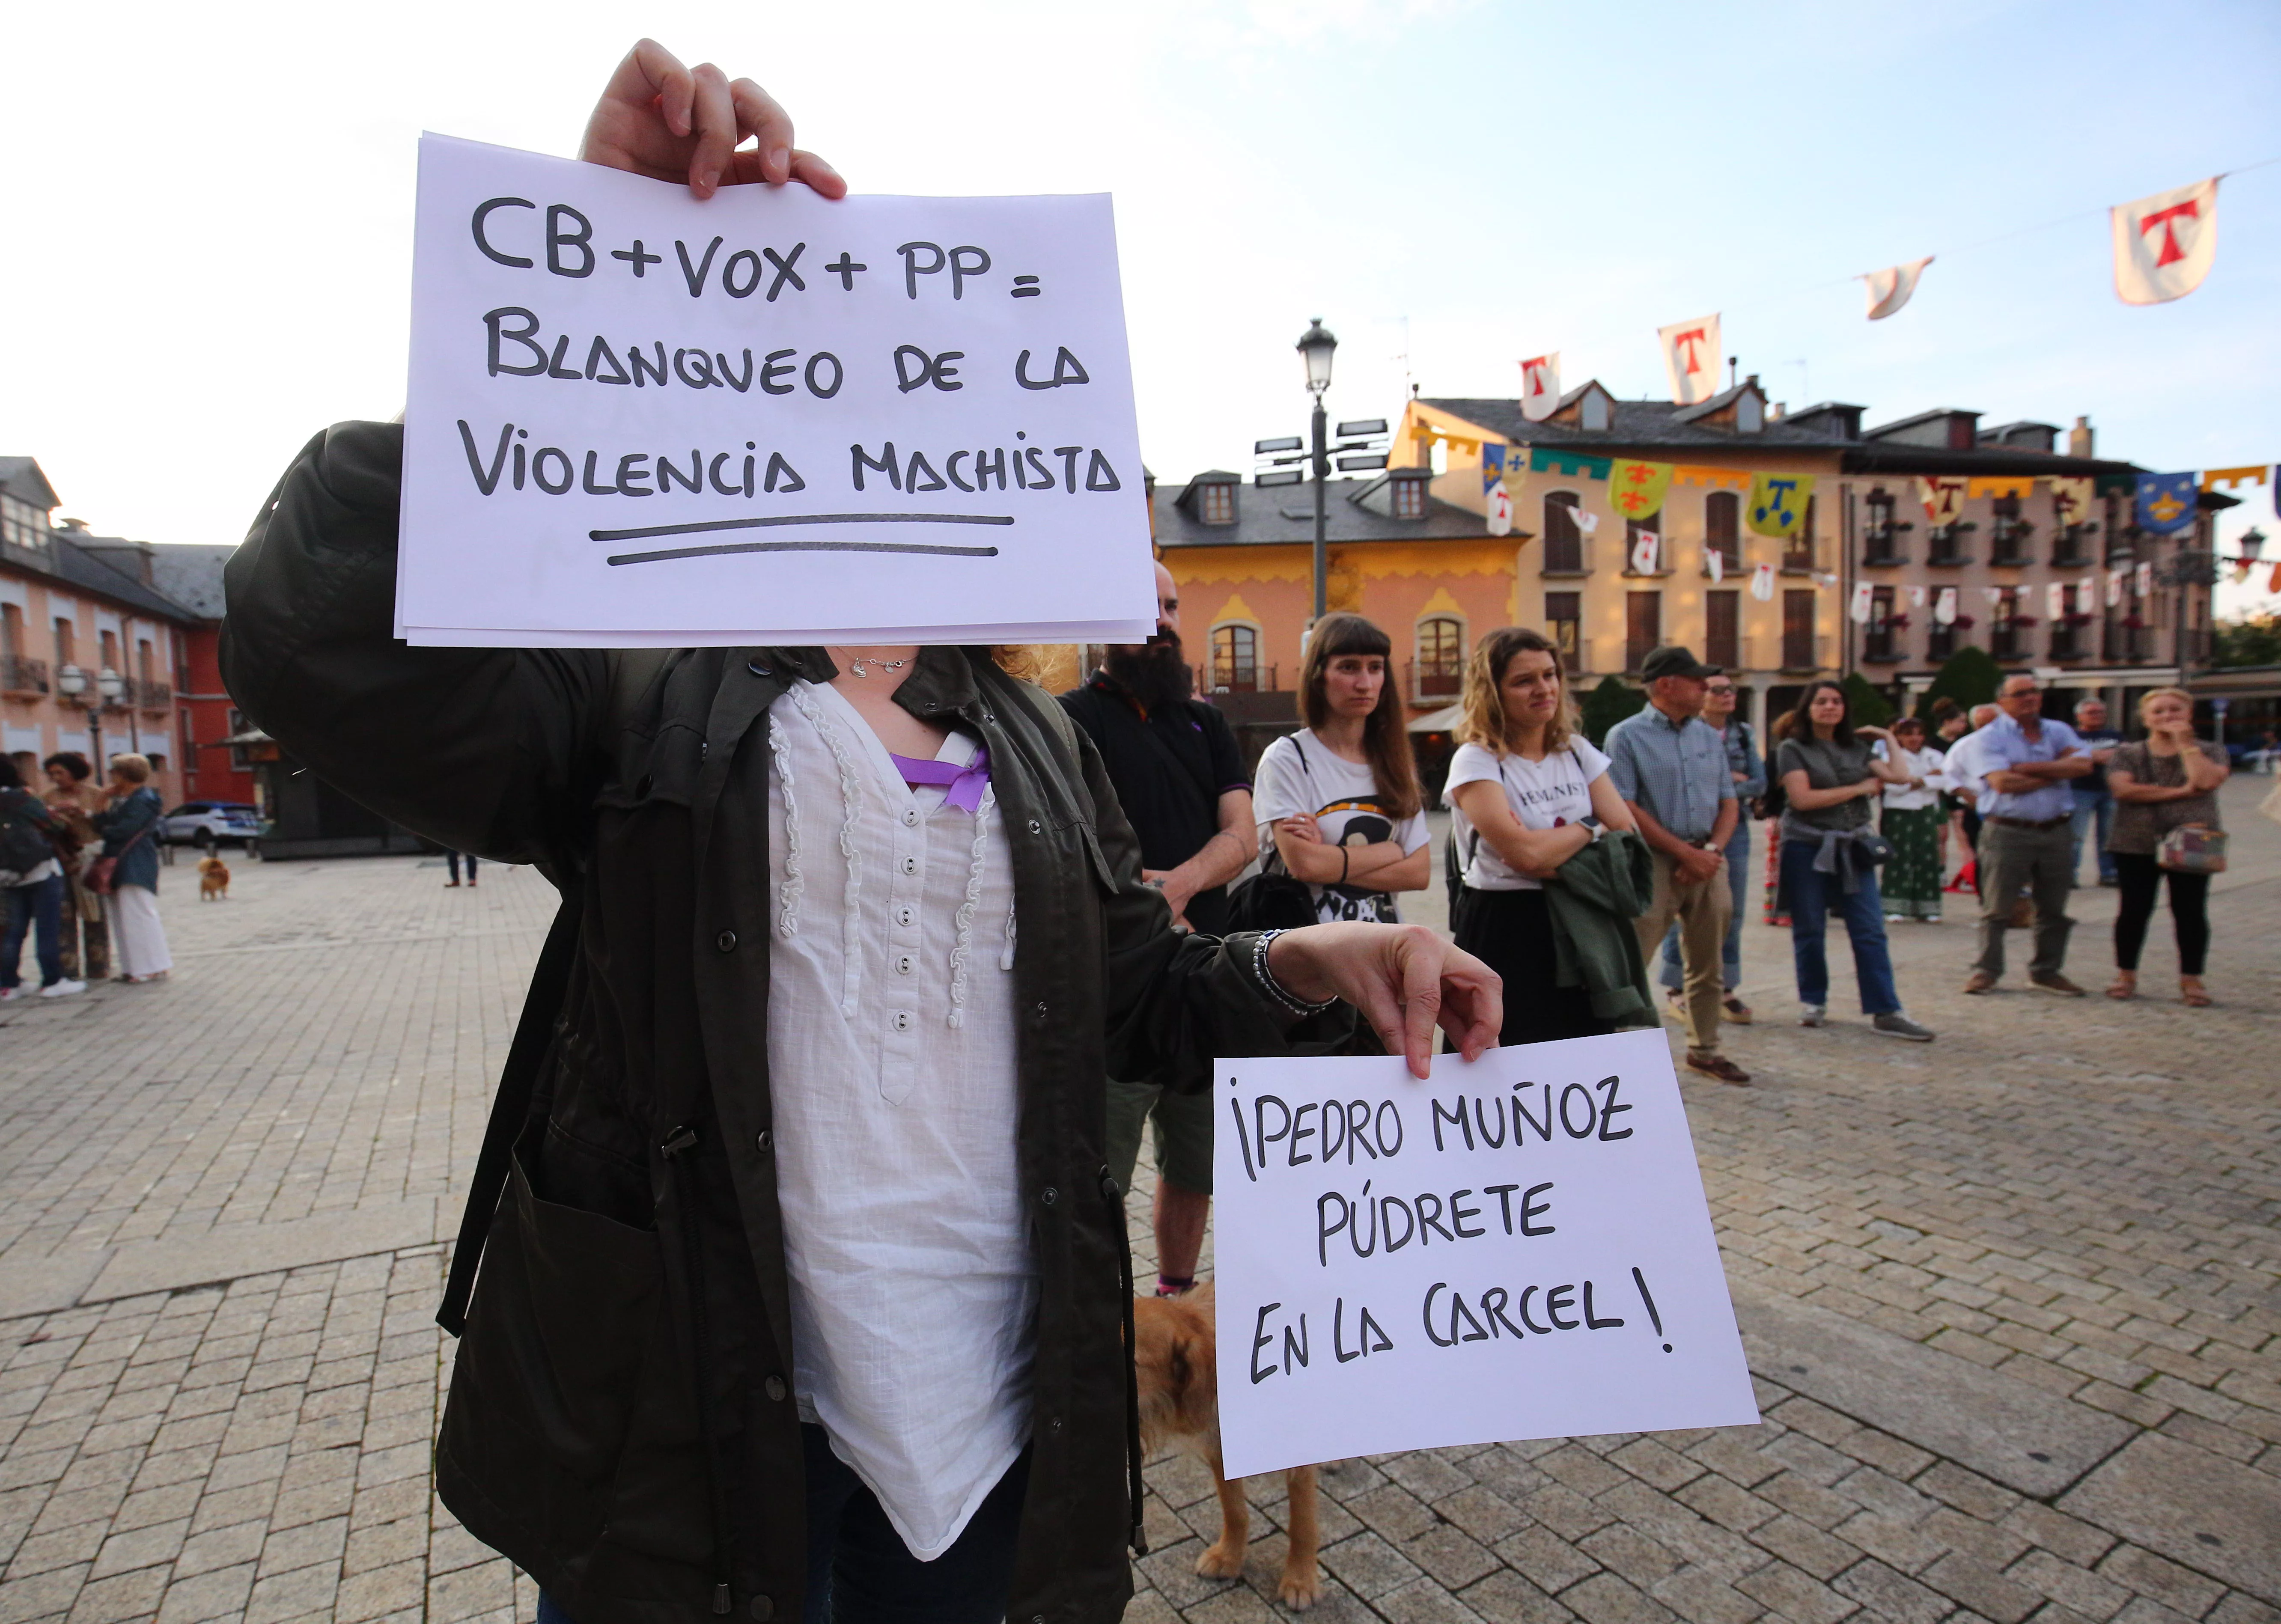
209, 230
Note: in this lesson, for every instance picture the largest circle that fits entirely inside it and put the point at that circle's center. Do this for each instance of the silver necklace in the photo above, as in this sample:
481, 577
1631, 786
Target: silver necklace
856, 666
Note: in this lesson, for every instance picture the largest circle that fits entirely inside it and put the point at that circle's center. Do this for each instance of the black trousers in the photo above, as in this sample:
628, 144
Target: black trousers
1511, 933
2140, 879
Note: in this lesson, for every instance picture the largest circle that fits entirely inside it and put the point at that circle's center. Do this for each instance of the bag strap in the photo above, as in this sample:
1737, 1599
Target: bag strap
511, 1108
1272, 862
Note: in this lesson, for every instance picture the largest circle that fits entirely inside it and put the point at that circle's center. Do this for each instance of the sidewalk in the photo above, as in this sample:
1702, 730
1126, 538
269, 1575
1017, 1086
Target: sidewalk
2010, 1298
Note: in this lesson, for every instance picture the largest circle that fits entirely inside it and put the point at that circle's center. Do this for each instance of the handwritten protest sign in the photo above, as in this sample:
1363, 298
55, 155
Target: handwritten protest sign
638, 419
1518, 1248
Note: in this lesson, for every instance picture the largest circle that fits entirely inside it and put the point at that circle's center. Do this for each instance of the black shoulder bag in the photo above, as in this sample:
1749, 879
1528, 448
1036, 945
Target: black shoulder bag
1274, 899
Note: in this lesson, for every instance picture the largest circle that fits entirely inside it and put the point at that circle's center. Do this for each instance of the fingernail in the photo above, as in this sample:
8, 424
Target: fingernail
779, 161
708, 179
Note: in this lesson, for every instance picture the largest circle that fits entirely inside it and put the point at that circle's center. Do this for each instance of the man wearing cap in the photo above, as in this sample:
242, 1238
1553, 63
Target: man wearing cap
1671, 766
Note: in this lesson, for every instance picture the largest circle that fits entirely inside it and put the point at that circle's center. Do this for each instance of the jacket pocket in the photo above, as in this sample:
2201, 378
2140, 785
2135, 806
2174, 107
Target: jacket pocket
550, 1370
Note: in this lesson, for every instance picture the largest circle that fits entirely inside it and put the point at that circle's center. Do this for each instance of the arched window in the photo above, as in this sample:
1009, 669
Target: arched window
1235, 658
1722, 512
1441, 657
1564, 542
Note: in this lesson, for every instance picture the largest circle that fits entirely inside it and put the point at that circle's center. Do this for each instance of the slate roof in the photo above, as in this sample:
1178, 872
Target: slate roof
22, 478
1354, 510
190, 574
80, 568
1658, 429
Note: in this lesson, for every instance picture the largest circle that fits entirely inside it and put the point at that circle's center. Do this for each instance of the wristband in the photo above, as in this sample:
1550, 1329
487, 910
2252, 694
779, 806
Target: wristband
1346, 863
1275, 989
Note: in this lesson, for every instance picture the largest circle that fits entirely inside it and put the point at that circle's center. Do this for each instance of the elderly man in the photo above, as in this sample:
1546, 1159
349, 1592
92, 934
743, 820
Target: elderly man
2024, 763
1181, 781
1672, 770
2094, 803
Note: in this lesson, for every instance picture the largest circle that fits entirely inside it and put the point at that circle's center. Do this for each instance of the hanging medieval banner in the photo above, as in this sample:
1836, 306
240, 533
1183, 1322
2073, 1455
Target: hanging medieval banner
2018, 487
1714, 478
1864, 601
1690, 355
2071, 501
2056, 606
2087, 595
2115, 589
1587, 520
1575, 465
1944, 607
1762, 582
1890, 288
1715, 562
2143, 580
1540, 386
1916, 597
2163, 245
1647, 553
2251, 474
1636, 489
1777, 504
1943, 498
2165, 502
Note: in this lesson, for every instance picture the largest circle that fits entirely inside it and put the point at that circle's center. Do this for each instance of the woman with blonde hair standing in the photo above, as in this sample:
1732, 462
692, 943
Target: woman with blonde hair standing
2166, 781
130, 828
1536, 792
1339, 803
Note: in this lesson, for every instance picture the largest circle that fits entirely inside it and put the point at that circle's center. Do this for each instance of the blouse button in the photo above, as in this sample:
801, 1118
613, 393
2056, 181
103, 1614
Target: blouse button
902, 963
902, 1020
910, 817
904, 915
774, 1387
909, 865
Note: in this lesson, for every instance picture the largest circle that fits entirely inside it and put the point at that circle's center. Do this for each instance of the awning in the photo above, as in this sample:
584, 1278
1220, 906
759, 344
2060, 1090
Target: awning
1446, 720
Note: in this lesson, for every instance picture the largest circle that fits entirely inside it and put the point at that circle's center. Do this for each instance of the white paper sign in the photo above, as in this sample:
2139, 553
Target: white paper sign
1519, 1248
635, 418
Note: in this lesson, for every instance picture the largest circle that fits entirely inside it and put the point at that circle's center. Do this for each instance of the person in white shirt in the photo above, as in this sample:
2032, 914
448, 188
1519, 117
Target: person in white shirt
1909, 816
1534, 792
1339, 803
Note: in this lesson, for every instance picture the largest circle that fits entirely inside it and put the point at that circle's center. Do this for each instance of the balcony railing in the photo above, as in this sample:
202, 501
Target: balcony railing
1230, 677
2069, 641
1881, 546
1788, 652
22, 674
1436, 680
1797, 558
2071, 545
1945, 543
2008, 542
147, 695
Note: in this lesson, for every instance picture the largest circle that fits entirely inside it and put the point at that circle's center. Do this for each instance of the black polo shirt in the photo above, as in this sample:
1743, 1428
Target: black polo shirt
1169, 767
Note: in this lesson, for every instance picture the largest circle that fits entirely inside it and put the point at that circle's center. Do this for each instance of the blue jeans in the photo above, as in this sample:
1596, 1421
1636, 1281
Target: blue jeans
1730, 951
2086, 809
860, 1571
1812, 895
39, 908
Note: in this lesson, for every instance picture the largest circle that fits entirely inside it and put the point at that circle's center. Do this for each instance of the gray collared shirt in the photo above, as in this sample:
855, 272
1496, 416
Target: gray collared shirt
1677, 771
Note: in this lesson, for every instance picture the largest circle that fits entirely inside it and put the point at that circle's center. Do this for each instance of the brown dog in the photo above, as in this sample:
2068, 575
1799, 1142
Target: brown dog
1177, 1355
214, 880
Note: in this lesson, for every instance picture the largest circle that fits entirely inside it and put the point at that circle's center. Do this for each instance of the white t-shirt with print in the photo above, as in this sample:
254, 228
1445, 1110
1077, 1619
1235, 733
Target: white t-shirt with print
1298, 775
1543, 795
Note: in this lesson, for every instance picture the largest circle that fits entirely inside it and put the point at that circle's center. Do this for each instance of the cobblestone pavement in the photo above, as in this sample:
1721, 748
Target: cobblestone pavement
2010, 1300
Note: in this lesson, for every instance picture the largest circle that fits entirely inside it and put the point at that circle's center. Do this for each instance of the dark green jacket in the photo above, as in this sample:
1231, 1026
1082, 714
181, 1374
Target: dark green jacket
1593, 898
622, 1389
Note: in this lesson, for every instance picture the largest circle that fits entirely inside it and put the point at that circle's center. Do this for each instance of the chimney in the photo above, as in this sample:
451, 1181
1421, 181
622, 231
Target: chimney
2080, 438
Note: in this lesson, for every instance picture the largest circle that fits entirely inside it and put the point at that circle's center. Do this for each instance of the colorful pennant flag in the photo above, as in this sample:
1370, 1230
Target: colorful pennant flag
2163, 245
2071, 501
1492, 466
1587, 520
1636, 489
2087, 595
1916, 597
1890, 289
1647, 552
2114, 589
1575, 465
2001, 485
1863, 600
2165, 502
1690, 355
1777, 504
2251, 474
1762, 581
1944, 607
1497, 508
1943, 498
1717, 479
1540, 386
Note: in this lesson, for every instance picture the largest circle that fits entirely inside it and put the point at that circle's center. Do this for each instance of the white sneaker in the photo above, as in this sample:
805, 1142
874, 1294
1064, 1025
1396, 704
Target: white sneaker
63, 989
1813, 1014
7, 992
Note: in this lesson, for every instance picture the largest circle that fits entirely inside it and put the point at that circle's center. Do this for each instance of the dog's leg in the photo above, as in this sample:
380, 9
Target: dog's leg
1302, 1578
1225, 1559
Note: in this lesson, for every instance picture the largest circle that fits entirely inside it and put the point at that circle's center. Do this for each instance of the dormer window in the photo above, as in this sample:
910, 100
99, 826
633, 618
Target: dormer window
1216, 504
23, 525
1409, 499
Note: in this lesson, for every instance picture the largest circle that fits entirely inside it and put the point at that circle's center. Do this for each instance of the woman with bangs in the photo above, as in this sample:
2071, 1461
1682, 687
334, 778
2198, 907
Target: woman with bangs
1536, 792
1339, 803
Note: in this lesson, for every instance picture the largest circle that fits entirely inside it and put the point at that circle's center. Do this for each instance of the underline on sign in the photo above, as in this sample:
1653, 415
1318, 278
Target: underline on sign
720, 549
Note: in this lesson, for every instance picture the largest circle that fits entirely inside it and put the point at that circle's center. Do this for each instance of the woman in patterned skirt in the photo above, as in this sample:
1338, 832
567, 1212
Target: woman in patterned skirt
1911, 819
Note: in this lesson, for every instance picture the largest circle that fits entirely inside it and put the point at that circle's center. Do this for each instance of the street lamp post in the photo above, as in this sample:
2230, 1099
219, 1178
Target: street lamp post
1317, 345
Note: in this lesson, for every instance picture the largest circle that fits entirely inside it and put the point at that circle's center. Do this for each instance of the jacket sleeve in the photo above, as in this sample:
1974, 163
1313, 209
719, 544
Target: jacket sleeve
1176, 1003
490, 751
122, 823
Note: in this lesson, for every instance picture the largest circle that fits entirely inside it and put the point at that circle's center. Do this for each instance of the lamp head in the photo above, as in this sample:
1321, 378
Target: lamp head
1317, 345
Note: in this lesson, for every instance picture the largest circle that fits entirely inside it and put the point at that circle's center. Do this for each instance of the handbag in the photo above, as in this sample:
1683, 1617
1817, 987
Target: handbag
2193, 848
102, 874
1274, 899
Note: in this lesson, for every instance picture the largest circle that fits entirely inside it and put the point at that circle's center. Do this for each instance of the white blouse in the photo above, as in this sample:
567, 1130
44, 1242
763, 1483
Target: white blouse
1926, 764
892, 1045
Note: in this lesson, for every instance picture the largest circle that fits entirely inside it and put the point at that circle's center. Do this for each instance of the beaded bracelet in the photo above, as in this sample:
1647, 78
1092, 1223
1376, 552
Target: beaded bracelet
1275, 989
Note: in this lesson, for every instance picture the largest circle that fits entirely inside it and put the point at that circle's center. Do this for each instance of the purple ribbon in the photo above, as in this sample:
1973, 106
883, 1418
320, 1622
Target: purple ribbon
961, 786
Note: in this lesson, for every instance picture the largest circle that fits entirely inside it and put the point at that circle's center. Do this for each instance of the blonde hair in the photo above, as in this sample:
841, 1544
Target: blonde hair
1484, 722
2147, 698
133, 768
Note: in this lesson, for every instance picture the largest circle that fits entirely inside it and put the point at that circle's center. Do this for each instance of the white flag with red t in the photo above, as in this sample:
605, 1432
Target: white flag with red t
1647, 552
1762, 582
1690, 354
1540, 386
2163, 245
1890, 289
1864, 601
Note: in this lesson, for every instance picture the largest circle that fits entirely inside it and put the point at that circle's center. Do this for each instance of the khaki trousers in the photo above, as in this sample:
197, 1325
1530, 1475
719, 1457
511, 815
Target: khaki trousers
1702, 911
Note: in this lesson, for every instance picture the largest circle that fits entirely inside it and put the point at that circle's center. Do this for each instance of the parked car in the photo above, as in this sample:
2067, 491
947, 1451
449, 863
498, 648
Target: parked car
208, 823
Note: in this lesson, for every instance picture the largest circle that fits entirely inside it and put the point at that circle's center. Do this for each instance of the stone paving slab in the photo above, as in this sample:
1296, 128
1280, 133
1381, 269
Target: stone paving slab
2074, 1200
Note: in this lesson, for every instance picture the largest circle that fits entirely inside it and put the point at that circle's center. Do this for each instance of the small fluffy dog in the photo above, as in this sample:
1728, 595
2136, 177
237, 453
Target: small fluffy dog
1177, 1355
214, 880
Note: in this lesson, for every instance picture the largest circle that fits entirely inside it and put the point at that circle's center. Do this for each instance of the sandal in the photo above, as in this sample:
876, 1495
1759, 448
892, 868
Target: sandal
2192, 993
2126, 985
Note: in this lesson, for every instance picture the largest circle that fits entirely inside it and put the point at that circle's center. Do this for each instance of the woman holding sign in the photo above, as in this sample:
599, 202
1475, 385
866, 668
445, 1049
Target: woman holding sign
1536, 793
800, 1288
